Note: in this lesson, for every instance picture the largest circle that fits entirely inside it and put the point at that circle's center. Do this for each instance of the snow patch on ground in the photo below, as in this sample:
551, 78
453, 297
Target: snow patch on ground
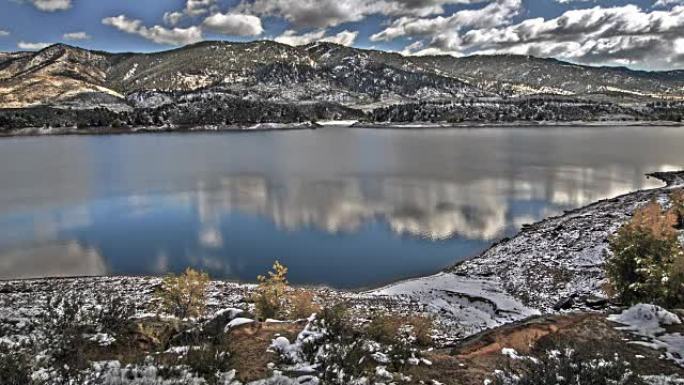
336, 123
649, 323
472, 304
238, 322
645, 319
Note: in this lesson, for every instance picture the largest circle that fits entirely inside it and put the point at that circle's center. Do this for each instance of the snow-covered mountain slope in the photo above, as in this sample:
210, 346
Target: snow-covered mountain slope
321, 72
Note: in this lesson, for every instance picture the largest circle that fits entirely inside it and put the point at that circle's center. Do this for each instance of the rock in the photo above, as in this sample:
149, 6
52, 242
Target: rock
564, 303
237, 322
216, 325
596, 302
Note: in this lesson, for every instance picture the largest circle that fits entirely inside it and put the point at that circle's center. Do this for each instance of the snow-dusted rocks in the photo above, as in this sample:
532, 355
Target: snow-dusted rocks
237, 322
645, 319
649, 324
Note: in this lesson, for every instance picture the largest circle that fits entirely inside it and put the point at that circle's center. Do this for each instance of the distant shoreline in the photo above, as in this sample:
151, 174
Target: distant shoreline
518, 124
266, 127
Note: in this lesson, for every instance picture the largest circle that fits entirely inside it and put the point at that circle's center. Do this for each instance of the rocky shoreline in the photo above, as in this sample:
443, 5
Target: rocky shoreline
516, 124
179, 129
553, 265
312, 125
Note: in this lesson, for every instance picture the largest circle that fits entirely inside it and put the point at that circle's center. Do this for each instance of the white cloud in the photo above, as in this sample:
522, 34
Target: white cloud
4, 33
51, 5
193, 8
573, 1
76, 36
32, 46
667, 3
625, 35
290, 37
157, 34
198, 7
234, 24
343, 38
330, 13
172, 18
492, 15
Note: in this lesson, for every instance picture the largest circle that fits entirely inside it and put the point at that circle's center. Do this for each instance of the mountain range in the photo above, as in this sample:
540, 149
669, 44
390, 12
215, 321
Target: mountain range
319, 80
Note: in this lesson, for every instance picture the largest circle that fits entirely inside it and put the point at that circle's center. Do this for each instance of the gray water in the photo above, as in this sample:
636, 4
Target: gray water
348, 208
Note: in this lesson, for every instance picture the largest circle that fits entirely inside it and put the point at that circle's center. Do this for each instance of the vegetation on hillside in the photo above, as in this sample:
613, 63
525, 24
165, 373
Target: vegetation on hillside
647, 261
184, 296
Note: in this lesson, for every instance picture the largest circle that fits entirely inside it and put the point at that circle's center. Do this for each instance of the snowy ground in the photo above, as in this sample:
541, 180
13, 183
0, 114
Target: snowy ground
554, 265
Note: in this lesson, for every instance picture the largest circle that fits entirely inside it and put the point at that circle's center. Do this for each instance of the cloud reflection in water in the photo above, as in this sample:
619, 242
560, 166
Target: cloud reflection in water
349, 209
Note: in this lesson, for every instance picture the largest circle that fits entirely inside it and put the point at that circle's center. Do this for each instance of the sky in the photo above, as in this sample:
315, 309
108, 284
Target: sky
640, 34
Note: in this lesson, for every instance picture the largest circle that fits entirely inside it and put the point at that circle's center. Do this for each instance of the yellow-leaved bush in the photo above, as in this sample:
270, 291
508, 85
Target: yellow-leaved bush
270, 297
275, 299
647, 261
184, 295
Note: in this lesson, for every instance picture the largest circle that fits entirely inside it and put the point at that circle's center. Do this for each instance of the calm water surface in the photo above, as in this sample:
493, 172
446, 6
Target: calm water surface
349, 208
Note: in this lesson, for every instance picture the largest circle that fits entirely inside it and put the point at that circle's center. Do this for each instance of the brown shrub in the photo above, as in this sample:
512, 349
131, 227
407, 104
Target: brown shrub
653, 220
302, 305
384, 328
677, 198
184, 295
422, 328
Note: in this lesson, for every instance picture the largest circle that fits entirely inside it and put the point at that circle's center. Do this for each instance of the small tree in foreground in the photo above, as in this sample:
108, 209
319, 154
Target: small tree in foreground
270, 298
677, 199
184, 295
647, 258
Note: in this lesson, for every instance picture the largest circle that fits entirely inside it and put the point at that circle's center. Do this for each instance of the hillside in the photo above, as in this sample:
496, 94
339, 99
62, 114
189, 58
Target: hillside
343, 82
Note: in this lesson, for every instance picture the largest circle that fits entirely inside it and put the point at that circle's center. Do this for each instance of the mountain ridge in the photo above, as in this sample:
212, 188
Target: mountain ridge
219, 84
355, 77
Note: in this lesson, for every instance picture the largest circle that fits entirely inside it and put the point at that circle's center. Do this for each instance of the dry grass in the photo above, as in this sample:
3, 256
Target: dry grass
389, 328
384, 328
422, 328
302, 304
249, 347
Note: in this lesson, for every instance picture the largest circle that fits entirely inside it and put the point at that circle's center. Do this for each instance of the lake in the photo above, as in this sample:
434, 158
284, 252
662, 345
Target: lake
349, 208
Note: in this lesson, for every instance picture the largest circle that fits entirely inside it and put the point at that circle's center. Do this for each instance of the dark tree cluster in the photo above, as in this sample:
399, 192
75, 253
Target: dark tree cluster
210, 109
527, 109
